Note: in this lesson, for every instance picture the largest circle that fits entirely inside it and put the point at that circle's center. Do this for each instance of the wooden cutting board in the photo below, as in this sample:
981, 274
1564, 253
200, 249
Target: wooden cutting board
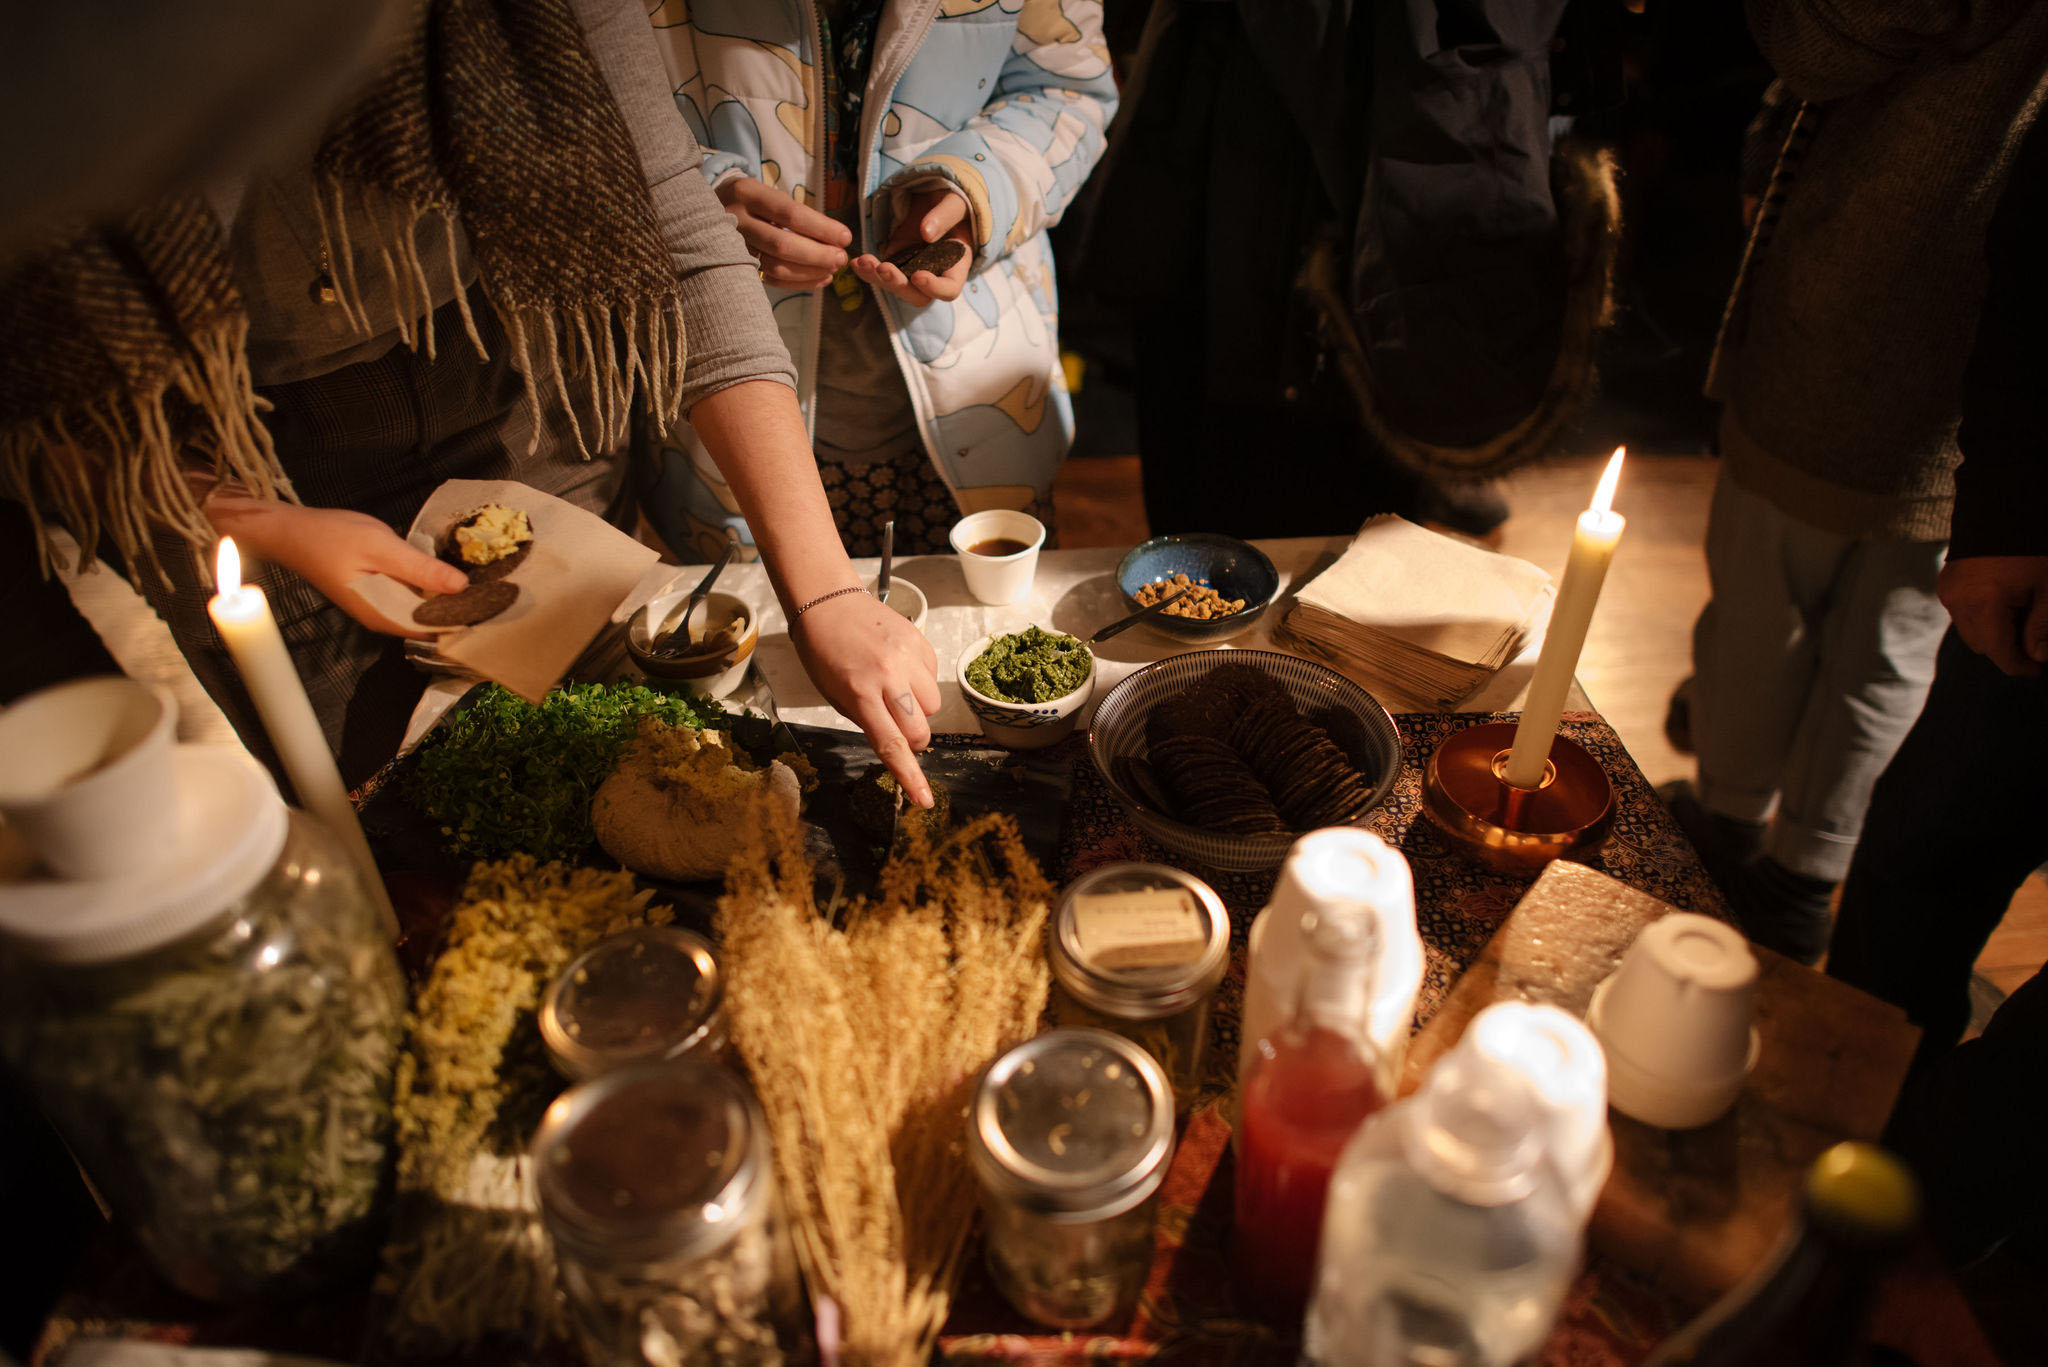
1695, 1210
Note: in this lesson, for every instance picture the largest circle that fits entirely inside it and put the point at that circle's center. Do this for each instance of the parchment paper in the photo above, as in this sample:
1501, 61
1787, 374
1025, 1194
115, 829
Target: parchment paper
580, 570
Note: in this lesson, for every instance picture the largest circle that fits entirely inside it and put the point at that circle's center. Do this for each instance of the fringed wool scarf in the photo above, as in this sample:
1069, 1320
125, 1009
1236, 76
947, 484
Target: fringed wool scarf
122, 346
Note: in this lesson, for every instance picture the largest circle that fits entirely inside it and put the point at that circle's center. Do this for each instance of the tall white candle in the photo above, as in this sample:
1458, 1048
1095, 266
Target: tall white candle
1593, 545
241, 614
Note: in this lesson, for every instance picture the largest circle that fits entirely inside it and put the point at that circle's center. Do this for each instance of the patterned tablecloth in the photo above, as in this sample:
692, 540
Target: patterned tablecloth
1188, 1313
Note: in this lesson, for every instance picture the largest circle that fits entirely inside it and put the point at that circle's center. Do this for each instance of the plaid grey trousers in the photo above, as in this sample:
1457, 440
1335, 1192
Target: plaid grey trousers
377, 437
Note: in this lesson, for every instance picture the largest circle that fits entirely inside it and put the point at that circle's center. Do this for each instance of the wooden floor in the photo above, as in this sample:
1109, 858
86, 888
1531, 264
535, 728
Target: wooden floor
1640, 644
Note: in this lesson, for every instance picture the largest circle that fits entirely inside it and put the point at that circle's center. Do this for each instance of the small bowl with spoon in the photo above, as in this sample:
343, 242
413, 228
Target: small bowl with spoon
701, 642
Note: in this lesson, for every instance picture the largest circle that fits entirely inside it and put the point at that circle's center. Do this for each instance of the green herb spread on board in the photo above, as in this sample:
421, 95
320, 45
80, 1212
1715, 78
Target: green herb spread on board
1032, 665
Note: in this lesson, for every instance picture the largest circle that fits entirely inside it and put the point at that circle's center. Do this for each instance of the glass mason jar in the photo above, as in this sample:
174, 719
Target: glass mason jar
1070, 1135
646, 995
214, 1036
1139, 949
657, 1188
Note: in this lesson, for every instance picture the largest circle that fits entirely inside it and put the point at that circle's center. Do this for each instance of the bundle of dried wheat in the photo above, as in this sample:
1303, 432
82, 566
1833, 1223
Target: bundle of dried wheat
865, 1040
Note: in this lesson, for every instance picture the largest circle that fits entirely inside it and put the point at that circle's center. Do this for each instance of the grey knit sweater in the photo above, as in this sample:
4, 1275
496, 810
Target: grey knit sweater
1841, 356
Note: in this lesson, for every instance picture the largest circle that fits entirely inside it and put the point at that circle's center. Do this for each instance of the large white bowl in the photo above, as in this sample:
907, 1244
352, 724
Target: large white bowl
1024, 726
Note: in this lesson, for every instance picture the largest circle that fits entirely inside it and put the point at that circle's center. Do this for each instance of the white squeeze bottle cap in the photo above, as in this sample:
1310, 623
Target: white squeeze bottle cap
1329, 868
1563, 1064
1475, 1132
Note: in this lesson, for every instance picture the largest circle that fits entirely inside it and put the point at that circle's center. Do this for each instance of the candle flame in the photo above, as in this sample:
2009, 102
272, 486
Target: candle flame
1603, 497
227, 569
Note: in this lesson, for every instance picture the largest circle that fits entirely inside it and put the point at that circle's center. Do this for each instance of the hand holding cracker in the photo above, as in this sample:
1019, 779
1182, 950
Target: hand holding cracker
331, 548
926, 255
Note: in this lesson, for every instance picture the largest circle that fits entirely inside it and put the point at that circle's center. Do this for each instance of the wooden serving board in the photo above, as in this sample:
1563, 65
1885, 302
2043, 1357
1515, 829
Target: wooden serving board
1696, 1210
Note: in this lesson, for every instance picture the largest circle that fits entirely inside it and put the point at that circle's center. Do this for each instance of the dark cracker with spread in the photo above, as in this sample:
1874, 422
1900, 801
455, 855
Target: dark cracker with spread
489, 570
937, 257
477, 603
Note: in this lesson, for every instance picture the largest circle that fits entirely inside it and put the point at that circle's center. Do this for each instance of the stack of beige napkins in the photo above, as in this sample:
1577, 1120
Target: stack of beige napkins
1417, 617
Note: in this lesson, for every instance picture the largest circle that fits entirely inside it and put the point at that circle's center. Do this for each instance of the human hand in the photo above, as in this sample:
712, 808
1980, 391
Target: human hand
928, 215
2000, 607
331, 548
798, 247
880, 673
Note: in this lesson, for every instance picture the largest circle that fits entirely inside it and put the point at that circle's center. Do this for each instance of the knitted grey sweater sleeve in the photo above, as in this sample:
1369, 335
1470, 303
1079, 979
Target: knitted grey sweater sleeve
731, 335
1829, 49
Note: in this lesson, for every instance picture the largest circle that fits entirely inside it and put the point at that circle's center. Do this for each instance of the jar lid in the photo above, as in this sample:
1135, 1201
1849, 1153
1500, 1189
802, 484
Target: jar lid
656, 1160
1076, 1123
231, 827
1139, 941
643, 995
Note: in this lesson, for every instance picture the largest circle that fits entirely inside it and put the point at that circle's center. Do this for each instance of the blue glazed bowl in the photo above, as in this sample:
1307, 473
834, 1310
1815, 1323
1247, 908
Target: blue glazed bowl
1235, 569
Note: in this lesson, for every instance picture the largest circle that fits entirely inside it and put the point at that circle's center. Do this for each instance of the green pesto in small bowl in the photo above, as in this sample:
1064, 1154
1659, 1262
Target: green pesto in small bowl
1030, 666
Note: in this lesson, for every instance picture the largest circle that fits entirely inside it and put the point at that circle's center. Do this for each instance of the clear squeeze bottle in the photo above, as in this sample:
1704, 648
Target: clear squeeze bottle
1449, 1238
1311, 1082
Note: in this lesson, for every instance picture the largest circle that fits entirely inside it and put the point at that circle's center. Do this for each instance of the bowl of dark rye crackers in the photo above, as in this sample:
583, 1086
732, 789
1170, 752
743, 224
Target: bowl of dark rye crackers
1225, 756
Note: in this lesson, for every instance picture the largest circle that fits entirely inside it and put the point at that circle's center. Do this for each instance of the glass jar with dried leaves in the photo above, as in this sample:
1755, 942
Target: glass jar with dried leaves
1070, 1135
658, 1191
214, 1035
1138, 949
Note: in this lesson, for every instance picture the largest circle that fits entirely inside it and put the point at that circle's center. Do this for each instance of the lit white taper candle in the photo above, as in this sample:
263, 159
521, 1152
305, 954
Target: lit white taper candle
241, 614
1593, 545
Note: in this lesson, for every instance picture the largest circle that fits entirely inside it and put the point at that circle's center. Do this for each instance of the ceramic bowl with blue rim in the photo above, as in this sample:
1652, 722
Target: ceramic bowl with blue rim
1234, 568
1118, 743
1024, 726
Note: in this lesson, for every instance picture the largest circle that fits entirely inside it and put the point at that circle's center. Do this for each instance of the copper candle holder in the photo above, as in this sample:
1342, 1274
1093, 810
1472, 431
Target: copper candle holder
1517, 830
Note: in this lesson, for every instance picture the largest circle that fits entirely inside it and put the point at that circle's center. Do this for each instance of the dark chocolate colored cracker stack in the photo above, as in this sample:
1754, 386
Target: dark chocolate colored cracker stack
1235, 754
1312, 781
1212, 786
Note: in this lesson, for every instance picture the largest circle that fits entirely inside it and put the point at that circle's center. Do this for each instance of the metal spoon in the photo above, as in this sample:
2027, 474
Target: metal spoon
1126, 623
685, 618
888, 554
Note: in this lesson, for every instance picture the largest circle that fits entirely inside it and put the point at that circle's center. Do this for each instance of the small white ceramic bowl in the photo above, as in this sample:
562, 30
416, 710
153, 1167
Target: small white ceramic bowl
711, 676
1024, 726
906, 600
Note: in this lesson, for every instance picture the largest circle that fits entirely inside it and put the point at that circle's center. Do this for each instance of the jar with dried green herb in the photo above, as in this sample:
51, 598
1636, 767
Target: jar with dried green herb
658, 1191
1139, 949
214, 1035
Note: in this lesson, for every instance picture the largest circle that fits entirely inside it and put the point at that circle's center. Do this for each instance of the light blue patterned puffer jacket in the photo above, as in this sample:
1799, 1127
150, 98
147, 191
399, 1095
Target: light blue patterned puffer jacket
1005, 99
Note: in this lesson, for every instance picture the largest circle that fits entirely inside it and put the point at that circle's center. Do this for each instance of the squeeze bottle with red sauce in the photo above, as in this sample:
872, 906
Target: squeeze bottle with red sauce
1310, 1084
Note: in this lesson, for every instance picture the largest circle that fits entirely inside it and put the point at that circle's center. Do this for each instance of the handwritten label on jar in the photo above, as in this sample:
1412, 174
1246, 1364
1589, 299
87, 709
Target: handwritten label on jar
1152, 928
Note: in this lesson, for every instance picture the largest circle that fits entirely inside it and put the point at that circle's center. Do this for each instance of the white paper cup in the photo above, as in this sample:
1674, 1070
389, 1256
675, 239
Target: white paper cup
87, 776
998, 579
1675, 1020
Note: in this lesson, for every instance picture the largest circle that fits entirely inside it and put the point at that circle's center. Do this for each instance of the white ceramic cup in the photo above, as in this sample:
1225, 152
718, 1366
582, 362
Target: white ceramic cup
1676, 1021
998, 579
86, 775
906, 599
